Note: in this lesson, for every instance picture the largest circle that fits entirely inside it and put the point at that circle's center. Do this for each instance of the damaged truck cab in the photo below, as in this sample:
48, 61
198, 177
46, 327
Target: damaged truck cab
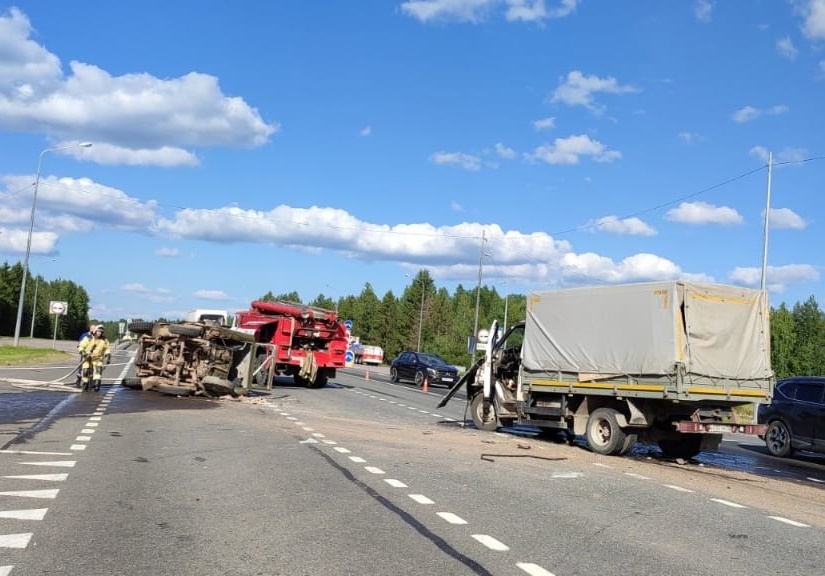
661, 362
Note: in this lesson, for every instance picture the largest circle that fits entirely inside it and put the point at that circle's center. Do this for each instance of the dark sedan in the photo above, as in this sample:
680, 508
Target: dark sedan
795, 416
418, 366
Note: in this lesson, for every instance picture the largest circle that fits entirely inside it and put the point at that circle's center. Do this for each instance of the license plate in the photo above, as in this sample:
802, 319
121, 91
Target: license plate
718, 428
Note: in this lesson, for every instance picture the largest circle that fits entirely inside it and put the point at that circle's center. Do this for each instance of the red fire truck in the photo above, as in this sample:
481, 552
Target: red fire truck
305, 342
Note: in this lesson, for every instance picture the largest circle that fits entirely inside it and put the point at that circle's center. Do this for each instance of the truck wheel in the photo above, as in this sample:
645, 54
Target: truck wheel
686, 446
171, 390
141, 327
185, 330
217, 386
778, 439
393, 374
320, 381
261, 374
604, 435
132, 382
486, 420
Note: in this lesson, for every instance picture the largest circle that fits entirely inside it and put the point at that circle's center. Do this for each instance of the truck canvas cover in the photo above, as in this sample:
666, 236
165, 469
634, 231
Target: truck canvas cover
647, 329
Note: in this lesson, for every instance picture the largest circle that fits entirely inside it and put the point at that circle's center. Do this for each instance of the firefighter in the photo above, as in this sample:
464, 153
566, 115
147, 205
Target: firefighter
83, 337
95, 352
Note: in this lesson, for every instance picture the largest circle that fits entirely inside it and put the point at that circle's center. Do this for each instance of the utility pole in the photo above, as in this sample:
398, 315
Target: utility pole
763, 284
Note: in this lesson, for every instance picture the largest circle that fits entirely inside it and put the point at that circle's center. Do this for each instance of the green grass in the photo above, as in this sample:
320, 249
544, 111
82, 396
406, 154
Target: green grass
21, 356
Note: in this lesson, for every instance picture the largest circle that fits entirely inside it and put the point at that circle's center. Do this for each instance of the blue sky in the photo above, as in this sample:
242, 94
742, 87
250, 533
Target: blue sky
318, 145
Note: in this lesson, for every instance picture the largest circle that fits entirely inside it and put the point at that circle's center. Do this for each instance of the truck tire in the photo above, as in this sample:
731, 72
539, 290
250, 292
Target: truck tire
320, 381
604, 435
141, 327
171, 390
218, 386
685, 446
132, 382
186, 330
487, 422
778, 439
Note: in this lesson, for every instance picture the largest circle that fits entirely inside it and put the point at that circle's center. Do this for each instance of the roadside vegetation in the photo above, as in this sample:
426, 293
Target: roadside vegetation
11, 356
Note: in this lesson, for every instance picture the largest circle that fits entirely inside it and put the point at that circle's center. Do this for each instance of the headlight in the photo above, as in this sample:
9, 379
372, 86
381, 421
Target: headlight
431, 371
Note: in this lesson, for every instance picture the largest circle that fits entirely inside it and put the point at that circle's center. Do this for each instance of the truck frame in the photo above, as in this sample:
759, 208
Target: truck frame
662, 362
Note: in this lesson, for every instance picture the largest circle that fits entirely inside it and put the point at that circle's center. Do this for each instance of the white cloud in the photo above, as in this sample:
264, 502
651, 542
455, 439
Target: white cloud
690, 137
777, 278
786, 49
703, 213
637, 268
787, 154
569, 150
134, 287
785, 218
167, 252
632, 226
504, 152
456, 207
14, 240
211, 294
134, 118
545, 124
466, 161
578, 90
475, 11
813, 12
749, 113
365, 131
703, 10
111, 154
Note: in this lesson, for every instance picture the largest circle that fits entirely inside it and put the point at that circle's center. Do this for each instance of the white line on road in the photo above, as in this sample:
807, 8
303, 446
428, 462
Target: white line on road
452, 518
601, 465
533, 569
727, 503
341, 449
491, 542
94, 418
308, 429
395, 483
15, 540
5, 570
420, 498
309, 441
88, 431
330, 442
357, 459
92, 424
291, 418
638, 476
50, 493
816, 480
60, 463
82, 438
34, 452
33, 514
373, 470
318, 435
51, 477
677, 488
77, 447
788, 521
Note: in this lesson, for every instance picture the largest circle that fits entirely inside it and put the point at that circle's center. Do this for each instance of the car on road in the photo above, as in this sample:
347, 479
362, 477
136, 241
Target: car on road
420, 366
795, 417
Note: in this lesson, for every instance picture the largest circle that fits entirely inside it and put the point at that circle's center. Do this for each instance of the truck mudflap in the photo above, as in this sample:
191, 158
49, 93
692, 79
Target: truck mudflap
468, 377
720, 428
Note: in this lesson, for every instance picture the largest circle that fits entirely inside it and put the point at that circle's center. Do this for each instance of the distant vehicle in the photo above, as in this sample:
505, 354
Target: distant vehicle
365, 354
795, 417
418, 366
220, 317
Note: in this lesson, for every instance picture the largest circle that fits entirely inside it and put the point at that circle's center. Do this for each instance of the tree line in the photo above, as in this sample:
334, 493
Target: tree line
422, 316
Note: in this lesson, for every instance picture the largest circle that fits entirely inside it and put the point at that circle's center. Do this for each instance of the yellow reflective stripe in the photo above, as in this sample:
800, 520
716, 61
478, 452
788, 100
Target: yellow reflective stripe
723, 392
723, 299
597, 386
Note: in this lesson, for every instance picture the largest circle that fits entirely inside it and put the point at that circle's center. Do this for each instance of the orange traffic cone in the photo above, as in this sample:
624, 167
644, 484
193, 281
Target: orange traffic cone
425, 387
367, 374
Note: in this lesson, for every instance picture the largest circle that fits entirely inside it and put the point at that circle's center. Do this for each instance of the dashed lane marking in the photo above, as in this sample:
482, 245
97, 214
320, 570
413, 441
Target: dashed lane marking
309, 441
566, 475
395, 483
77, 447
533, 569
452, 518
51, 477
35, 453
491, 542
94, 418
88, 431
373, 470
789, 521
357, 459
420, 498
637, 476
727, 503
15, 541
677, 488
92, 424
330, 442
50, 493
59, 463
341, 450
5, 570
82, 438
32, 514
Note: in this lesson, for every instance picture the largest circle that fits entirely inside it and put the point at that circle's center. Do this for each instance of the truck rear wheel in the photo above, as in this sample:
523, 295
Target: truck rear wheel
604, 435
132, 382
171, 390
186, 330
218, 386
484, 419
319, 382
141, 327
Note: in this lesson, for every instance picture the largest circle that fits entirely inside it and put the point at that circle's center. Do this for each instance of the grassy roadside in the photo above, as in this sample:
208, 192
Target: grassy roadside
22, 356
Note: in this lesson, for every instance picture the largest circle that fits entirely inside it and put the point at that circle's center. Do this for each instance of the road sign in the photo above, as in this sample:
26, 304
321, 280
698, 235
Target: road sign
58, 308
348, 325
349, 356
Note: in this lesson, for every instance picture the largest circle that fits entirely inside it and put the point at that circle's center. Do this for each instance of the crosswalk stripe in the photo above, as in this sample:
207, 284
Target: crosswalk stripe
51, 477
60, 463
33, 514
15, 540
51, 493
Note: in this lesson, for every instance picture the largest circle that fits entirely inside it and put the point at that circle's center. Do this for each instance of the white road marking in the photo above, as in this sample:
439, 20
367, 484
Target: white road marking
330, 442
49, 493
452, 518
788, 521
395, 483
61, 463
98, 413
401, 405
318, 435
92, 424
309, 441
491, 542
677, 488
420, 498
437, 415
291, 418
82, 438
533, 569
33, 514
15, 540
393, 402
77, 447
357, 459
566, 475
299, 423
373, 470
816, 480
727, 503
411, 408
602, 465
448, 419
639, 476
308, 429
423, 411
341, 449
5, 570
34, 452
51, 477
94, 418
88, 431
284, 413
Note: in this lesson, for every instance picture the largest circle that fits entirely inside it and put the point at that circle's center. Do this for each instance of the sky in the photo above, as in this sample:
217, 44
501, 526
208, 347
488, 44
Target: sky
316, 146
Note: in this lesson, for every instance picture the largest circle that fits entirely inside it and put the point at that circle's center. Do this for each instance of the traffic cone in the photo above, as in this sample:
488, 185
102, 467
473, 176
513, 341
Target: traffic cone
367, 374
425, 388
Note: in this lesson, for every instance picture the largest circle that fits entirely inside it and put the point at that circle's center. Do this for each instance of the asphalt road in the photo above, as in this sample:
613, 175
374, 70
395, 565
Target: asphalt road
365, 477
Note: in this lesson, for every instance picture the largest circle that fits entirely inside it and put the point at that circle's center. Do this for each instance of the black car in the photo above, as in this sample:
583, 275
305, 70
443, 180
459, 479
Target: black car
796, 416
417, 366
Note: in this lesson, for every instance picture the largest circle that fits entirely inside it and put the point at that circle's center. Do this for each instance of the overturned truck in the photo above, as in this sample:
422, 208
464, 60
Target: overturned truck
190, 358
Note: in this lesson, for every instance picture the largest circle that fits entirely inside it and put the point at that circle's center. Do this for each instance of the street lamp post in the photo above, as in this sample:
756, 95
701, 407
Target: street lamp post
29, 240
